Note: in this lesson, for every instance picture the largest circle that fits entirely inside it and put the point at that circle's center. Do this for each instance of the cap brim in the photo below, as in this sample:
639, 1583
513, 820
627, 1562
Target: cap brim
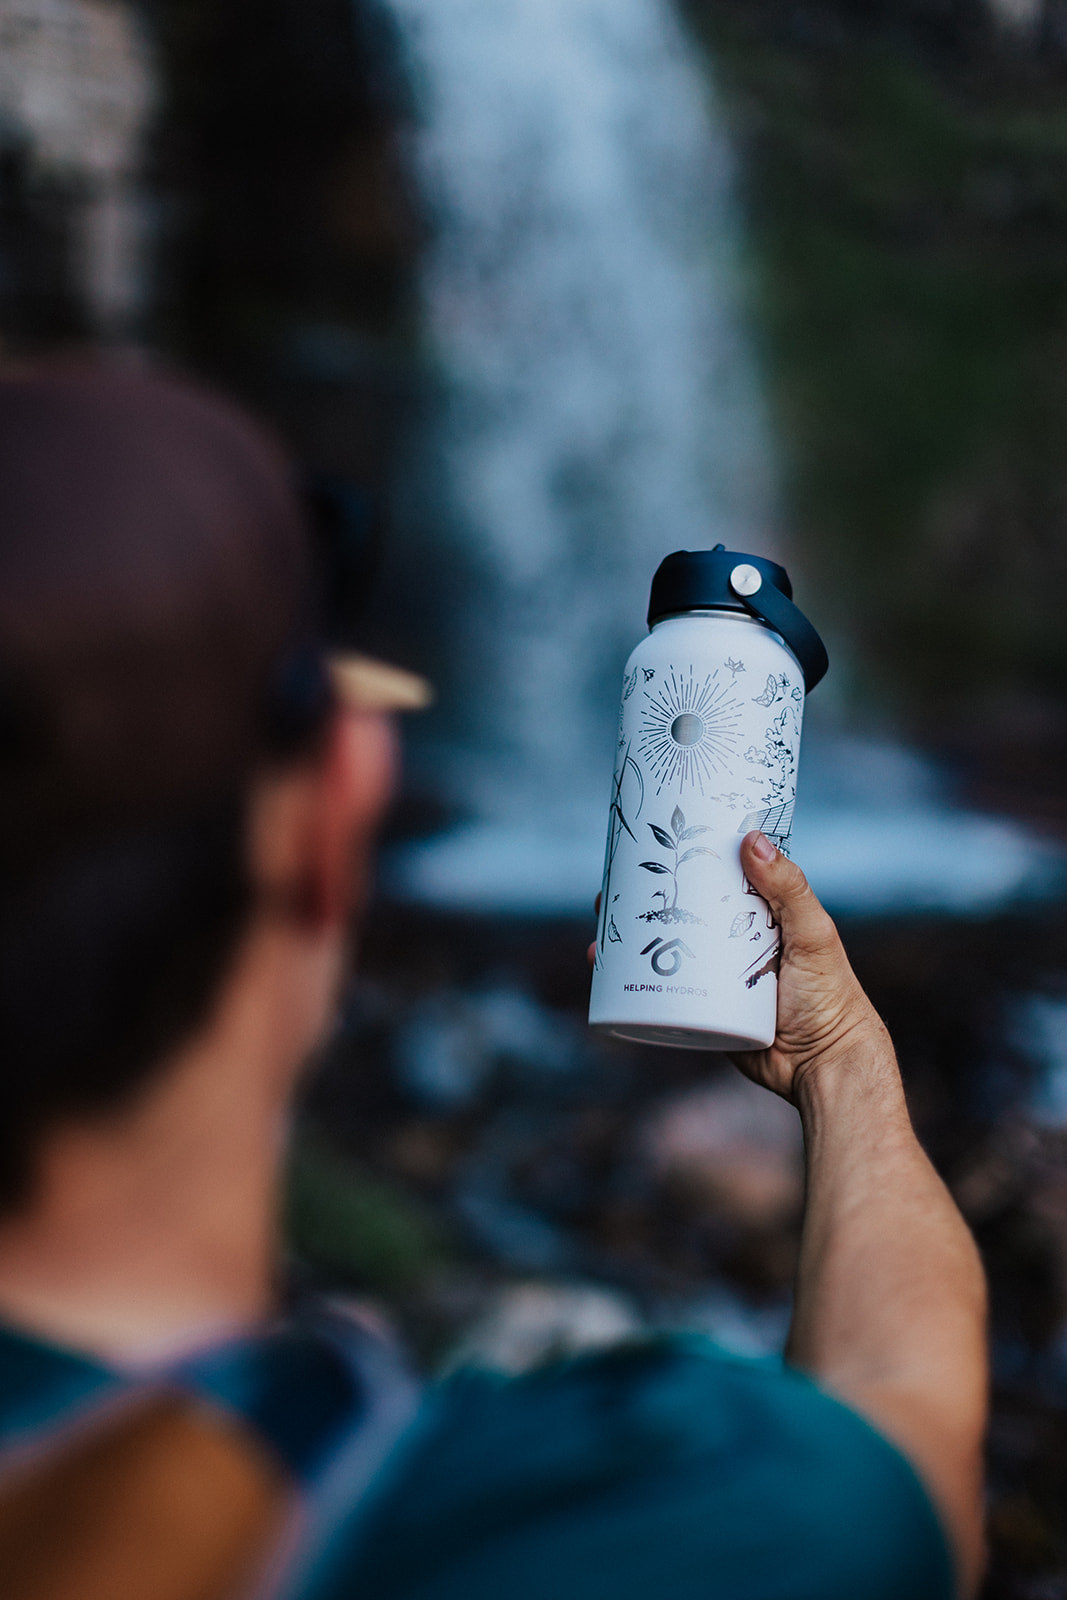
363, 684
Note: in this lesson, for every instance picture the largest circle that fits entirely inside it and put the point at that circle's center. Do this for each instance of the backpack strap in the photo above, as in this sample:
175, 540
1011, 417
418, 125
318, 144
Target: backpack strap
216, 1482
166, 1501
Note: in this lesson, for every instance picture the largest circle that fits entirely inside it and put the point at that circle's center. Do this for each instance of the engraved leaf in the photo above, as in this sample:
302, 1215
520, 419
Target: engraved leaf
618, 812
691, 833
654, 866
678, 820
663, 836
698, 850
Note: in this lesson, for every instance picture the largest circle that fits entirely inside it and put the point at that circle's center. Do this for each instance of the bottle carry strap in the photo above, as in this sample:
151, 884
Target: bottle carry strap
770, 605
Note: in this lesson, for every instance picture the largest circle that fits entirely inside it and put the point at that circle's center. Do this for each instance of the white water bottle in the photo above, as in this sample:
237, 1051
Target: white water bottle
709, 736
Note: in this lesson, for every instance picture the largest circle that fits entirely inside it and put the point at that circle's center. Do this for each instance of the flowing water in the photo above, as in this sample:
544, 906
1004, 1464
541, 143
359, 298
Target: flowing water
594, 406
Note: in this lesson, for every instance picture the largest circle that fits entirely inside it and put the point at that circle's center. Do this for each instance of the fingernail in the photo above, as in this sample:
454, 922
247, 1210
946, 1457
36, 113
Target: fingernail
762, 848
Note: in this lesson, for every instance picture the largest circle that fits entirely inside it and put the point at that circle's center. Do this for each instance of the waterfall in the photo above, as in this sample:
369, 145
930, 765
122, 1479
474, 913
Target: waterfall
595, 404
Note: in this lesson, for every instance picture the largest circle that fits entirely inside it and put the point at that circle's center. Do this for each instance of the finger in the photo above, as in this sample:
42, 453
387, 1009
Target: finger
806, 927
590, 954
596, 904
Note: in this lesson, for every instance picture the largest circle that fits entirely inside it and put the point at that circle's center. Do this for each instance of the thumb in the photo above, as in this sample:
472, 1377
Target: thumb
806, 927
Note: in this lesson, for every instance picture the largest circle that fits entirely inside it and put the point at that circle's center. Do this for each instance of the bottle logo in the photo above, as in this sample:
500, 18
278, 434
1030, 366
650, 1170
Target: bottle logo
667, 957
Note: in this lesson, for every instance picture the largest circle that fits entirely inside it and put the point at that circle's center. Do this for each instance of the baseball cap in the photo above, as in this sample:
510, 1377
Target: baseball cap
161, 632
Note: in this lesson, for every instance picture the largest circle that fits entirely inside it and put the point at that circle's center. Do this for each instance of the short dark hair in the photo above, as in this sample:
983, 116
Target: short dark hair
154, 582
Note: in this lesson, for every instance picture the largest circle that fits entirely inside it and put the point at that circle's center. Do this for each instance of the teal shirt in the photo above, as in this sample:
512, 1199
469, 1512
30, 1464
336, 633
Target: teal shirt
660, 1470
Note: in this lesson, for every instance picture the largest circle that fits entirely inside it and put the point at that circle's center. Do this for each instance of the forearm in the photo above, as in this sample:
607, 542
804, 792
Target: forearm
890, 1298
890, 1301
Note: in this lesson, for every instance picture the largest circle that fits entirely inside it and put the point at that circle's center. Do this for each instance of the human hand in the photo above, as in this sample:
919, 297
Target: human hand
823, 1014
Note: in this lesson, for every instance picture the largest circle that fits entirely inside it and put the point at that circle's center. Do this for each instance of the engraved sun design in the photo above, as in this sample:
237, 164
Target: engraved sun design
690, 729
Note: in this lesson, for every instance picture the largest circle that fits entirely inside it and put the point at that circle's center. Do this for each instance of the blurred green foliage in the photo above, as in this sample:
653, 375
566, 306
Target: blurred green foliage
907, 211
354, 1229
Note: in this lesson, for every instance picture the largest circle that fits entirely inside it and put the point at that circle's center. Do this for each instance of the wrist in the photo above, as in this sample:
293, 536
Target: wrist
857, 1072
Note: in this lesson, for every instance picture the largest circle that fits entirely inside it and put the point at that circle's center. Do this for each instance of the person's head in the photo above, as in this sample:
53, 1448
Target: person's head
177, 769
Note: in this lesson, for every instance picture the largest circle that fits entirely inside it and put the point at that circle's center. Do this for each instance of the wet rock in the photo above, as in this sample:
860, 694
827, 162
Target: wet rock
440, 1053
732, 1145
1036, 1026
448, 1046
735, 1323
512, 1232
425, 1152
519, 1030
531, 1323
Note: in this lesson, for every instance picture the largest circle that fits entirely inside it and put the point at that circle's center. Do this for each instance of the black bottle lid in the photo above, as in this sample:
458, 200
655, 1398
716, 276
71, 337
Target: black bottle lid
730, 580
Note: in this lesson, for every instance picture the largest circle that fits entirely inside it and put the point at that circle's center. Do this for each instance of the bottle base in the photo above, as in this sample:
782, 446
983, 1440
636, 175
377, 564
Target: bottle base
679, 1038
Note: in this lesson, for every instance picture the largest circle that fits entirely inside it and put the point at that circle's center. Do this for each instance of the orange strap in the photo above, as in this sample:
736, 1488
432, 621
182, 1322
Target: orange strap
171, 1501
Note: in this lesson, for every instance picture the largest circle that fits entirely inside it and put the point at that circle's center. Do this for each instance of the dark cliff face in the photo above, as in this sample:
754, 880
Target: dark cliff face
287, 267
290, 232
279, 135
253, 179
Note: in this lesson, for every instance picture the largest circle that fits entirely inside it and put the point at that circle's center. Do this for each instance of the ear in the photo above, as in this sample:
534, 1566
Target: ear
312, 828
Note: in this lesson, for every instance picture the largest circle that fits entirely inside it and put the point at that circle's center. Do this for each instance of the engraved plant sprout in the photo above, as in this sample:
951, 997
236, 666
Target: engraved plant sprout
673, 842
